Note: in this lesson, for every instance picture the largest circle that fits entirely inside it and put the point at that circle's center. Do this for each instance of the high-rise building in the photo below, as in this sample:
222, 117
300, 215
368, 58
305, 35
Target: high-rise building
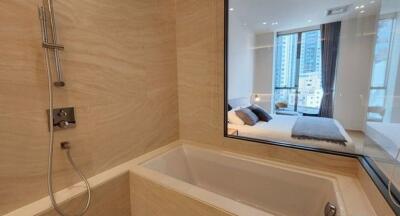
286, 60
310, 57
285, 67
310, 71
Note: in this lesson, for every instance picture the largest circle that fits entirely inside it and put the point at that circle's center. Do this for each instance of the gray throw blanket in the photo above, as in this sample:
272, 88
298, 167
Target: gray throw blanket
318, 129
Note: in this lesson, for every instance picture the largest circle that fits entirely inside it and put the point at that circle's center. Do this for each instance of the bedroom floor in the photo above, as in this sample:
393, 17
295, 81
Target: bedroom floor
358, 138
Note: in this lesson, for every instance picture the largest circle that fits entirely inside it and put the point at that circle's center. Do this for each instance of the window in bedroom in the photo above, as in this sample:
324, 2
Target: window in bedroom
380, 69
298, 72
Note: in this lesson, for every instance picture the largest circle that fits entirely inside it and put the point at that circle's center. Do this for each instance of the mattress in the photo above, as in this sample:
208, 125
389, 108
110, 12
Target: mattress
280, 129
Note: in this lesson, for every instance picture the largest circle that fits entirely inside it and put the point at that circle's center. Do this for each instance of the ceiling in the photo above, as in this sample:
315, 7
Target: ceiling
390, 6
261, 16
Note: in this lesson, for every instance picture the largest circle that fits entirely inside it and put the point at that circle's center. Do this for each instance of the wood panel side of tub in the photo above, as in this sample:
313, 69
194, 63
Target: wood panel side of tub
110, 198
149, 198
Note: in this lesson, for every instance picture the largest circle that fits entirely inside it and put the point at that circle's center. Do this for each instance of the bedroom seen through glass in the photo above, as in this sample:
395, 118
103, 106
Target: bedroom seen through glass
316, 74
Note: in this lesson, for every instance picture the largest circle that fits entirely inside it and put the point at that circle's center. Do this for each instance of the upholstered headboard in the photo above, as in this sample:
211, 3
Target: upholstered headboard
239, 102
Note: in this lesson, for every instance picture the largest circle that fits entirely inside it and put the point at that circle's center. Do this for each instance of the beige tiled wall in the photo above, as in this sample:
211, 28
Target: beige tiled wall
120, 70
200, 43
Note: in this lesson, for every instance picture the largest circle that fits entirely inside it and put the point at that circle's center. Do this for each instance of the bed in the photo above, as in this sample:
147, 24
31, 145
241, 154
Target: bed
280, 129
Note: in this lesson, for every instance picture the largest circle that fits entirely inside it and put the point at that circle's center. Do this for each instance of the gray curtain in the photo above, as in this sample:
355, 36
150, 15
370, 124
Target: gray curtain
330, 34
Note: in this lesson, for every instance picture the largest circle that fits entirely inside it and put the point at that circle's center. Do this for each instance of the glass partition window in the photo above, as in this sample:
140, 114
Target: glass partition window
327, 73
383, 120
307, 64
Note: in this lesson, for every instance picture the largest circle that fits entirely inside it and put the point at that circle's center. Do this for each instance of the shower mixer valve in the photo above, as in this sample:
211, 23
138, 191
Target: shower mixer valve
63, 118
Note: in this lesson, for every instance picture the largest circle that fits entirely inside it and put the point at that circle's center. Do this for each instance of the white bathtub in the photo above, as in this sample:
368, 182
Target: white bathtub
244, 185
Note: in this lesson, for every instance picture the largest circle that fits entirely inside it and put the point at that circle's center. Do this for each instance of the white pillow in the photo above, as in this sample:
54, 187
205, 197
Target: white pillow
234, 119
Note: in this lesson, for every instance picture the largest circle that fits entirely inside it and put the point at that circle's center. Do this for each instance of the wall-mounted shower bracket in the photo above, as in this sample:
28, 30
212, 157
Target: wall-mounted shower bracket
63, 118
52, 46
50, 40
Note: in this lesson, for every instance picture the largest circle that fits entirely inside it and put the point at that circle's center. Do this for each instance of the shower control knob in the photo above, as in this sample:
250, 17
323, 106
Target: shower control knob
62, 113
63, 124
63, 118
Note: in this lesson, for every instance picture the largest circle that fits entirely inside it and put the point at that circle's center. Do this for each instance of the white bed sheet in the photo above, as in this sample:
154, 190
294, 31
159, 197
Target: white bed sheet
280, 129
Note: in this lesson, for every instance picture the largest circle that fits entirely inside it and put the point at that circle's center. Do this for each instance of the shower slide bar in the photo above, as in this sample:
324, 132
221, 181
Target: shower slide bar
46, 16
53, 45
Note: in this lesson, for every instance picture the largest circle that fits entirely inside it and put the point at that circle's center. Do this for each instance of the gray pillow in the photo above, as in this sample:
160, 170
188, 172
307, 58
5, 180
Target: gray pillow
261, 113
247, 116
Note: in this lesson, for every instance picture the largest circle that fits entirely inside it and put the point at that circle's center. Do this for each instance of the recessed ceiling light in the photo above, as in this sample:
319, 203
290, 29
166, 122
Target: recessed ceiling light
372, 2
274, 23
264, 23
363, 11
362, 6
231, 9
309, 21
357, 7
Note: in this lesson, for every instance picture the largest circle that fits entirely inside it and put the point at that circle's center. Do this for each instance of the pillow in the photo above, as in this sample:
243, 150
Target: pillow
261, 113
229, 107
247, 116
234, 119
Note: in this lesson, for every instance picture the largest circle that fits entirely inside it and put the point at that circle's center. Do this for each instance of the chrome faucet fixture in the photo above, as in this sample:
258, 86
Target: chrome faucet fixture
63, 118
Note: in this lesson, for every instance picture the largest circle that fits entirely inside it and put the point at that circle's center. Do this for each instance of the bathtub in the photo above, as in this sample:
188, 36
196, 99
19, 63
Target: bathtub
243, 185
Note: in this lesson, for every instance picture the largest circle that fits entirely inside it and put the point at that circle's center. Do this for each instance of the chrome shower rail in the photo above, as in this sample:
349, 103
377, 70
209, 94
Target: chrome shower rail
50, 43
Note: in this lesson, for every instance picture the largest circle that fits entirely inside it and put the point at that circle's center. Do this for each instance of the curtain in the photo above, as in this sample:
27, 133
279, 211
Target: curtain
330, 34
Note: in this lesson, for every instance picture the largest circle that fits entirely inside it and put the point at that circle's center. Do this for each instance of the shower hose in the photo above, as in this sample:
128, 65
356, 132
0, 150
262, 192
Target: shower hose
65, 147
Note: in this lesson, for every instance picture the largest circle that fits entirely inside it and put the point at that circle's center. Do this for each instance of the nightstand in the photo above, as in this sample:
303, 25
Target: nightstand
233, 132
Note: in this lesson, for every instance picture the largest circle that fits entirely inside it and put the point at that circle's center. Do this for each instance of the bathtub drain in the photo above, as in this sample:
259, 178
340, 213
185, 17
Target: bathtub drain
330, 209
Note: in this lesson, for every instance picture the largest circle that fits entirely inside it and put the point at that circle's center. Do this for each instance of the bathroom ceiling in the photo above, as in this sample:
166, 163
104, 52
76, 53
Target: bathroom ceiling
261, 16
